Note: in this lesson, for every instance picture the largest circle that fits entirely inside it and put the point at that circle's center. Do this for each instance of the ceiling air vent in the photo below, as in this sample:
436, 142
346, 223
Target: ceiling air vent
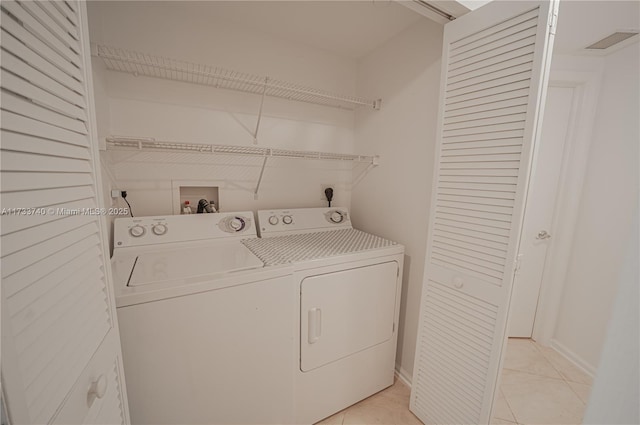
610, 40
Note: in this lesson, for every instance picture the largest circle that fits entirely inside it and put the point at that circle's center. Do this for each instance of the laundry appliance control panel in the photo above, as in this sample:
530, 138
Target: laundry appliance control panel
302, 220
140, 231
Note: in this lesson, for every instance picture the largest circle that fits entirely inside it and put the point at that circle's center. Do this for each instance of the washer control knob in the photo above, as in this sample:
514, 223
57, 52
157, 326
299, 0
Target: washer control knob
336, 217
236, 224
137, 231
159, 229
273, 220
287, 219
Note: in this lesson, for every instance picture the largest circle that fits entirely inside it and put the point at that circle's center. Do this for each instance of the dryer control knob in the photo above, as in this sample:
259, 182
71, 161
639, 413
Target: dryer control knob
336, 217
237, 224
273, 220
137, 231
287, 219
159, 229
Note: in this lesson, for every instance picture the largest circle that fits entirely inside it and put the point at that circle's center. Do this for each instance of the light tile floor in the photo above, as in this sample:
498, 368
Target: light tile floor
539, 386
388, 407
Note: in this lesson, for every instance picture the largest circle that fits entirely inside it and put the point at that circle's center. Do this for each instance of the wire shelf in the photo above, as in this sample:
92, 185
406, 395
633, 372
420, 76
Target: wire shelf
137, 63
150, 144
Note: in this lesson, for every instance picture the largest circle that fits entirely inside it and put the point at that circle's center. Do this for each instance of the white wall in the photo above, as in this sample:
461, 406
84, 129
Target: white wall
181, 112
616, 390
603, 225
393, 201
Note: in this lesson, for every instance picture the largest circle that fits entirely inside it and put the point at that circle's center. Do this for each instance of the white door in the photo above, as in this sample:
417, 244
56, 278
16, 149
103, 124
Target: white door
494, 75
345, 312
61, 359
538, 219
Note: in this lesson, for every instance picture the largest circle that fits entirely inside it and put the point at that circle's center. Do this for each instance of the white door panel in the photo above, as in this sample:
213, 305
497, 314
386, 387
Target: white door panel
540, 210
97, 396
494, 71
344, 312
59, 330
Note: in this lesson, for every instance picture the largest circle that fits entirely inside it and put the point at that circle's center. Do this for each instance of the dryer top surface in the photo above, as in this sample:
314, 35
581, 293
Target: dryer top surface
311, 246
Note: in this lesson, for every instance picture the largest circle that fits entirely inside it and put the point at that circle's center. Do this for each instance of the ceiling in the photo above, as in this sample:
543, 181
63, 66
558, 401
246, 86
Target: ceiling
354, 28
581, 23
347, 28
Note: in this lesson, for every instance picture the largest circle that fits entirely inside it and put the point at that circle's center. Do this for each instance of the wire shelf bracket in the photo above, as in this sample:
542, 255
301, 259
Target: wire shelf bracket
138, 63
264, 92
374, 163
255, 192
133, 144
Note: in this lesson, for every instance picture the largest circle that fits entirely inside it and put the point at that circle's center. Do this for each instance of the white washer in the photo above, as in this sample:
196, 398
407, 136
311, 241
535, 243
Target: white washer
207, 332
347, 288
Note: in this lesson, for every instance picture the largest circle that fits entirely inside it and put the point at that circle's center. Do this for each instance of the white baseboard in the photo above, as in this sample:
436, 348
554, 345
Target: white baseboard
573, 358
403, 375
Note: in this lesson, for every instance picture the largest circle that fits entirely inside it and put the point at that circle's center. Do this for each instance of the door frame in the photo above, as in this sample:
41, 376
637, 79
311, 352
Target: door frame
584, 75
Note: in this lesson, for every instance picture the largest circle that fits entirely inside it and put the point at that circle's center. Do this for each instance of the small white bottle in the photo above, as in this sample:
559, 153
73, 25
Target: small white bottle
186, 208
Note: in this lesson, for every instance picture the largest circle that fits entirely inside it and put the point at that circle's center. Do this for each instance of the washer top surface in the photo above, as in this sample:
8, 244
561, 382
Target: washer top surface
174, 264
164, 256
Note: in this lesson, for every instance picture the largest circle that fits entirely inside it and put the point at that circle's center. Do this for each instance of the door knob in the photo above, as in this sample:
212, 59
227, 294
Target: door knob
97, 389
458, 282
542, 234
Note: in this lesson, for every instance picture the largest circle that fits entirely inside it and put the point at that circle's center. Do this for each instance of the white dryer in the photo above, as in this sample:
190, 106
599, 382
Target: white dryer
207, 333
347, 290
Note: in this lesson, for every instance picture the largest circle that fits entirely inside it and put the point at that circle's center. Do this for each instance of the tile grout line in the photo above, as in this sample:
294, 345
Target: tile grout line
562, 375
566, 381
513, 414
541, 353
575, 392
562, 378
535, 374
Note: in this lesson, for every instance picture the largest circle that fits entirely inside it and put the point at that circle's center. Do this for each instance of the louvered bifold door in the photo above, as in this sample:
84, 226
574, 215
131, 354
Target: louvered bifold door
57, 309
494, 64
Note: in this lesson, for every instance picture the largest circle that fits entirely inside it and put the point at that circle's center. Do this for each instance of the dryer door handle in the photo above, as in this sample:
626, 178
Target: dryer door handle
314, 325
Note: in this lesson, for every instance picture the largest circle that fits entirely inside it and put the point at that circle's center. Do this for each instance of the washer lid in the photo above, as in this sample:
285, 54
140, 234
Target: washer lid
165, 265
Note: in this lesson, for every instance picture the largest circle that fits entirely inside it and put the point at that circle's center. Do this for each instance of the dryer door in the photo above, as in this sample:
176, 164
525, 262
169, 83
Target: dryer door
344, 312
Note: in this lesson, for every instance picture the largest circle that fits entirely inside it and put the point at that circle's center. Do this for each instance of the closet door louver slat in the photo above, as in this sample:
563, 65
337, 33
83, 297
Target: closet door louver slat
29, 20
27, 108
61, 32
61, 19
33, 57
14, 223
23, 125
17, 142
68, 13
22, 299
15, 82
57, 308
494, 68
35, 245
41, 80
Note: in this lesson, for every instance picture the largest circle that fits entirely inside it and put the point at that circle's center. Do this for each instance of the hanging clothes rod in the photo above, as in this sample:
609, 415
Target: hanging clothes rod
434, 9
138, 63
